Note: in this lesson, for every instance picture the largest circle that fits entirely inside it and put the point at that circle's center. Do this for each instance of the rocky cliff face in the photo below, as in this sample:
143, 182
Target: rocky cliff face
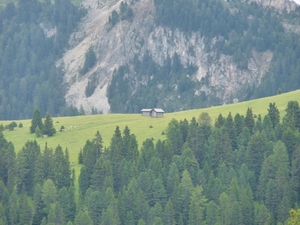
278, 4
118, 46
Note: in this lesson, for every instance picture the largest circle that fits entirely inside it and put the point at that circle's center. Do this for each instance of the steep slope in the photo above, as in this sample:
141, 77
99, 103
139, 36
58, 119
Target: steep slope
216, 75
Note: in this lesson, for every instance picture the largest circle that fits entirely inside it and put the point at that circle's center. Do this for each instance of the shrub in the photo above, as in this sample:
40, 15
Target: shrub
62, 128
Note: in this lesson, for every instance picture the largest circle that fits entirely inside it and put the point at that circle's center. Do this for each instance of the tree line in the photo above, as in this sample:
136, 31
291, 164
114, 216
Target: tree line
241, 169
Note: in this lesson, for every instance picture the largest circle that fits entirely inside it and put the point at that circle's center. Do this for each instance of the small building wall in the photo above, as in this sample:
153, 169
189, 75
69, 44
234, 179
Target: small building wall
153, 113
146, 113
159, 114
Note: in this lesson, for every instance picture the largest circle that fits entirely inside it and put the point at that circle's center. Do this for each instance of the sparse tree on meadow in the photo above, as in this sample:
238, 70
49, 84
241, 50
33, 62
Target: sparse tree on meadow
48, 126
36, 120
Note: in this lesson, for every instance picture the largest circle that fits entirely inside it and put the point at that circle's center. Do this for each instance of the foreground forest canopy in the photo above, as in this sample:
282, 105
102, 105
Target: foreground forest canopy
239, 169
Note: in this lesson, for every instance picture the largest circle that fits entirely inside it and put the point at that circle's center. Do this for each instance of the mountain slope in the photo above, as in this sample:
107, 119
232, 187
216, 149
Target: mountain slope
143, 61
81, 128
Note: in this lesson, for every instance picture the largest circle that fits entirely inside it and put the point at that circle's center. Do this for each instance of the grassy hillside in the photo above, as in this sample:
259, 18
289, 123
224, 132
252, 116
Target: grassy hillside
81, 128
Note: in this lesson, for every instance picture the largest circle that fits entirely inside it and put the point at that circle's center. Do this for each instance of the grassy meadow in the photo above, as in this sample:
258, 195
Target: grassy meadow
79, 129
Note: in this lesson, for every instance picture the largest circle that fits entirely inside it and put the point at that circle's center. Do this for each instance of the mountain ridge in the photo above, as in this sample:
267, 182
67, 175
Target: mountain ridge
118, 45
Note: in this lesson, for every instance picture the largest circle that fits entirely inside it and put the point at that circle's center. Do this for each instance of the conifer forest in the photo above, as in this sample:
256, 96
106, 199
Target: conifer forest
239, 169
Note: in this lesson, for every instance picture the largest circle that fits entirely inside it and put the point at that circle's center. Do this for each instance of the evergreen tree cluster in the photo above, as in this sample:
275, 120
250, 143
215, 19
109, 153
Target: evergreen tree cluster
37, 187
149, 85
33, 35
37, 125
239, 169
125, 13
90, 60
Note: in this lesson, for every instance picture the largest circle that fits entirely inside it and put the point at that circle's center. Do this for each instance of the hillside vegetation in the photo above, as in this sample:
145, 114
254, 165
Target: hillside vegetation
33, 35
231, 169
78, 129
236, 30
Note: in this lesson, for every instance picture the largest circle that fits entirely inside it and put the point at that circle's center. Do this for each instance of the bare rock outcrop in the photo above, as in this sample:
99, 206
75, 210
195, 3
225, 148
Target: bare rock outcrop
278, 4
118, 46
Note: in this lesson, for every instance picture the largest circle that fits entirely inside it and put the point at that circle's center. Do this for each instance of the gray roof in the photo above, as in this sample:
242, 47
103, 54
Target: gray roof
159, 110
146, 110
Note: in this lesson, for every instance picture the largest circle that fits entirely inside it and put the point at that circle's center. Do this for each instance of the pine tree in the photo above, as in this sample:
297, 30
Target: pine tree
48, 128
249, 120
14, 209
274, 114
95, 206
229, 124
185, 189
169, 213
174, 136
36, 120
25, 211
27, 161
211, 213
263, 216
198, 201
49, 195
3, 219
38, 205
255, 153
62, 169
116, 155
83, 218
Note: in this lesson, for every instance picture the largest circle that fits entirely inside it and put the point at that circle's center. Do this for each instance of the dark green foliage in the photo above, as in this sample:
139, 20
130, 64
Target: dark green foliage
62, 170
80, 157
220, 121
255, 152
113, 18
27, 160
27, 61
125, 13
25, 210
48, 128
92, 84
292, 116
38, 205
83, 218
249, 120
201, 180
273, 113
11, 126
151, 82
174, 136
221, 147
62, 128
90, 60
36, 120
231, 131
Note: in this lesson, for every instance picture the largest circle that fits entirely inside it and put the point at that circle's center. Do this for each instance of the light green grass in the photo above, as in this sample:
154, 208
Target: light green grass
81, 128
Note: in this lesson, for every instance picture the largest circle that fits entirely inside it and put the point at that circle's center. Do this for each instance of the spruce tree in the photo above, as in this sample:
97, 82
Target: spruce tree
48, 126
274, 114
249, 120
36, 120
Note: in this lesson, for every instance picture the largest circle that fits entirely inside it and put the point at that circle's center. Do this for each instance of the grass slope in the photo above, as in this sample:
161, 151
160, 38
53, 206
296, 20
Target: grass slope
81, 128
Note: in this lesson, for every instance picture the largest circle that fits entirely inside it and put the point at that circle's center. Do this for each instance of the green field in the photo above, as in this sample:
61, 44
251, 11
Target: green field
81, 128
